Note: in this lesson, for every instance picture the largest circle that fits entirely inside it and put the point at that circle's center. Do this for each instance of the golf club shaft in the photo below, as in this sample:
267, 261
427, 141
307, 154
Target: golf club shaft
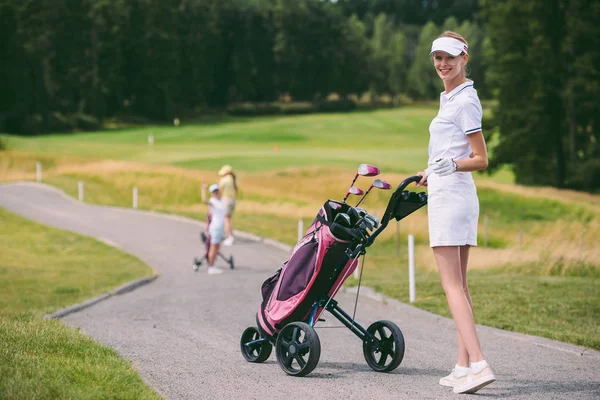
352, 184
364, 195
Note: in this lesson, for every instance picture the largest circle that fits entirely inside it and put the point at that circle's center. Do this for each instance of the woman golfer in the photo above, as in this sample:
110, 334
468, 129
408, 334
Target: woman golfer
229, 189
456, 147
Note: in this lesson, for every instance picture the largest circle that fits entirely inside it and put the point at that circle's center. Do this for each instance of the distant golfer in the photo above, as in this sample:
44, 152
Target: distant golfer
456, 147
216, 211
228, 189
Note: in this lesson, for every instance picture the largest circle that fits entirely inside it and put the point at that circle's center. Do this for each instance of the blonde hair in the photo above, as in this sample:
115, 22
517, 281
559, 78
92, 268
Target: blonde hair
457, 36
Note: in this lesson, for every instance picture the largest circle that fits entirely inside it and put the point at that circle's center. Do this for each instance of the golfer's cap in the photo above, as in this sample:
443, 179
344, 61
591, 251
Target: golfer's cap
449, 45
213, 188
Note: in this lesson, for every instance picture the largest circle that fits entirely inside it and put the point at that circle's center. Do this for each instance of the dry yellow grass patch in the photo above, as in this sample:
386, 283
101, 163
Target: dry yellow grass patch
568, 241
588, 200
17, 165
481, 257
299, 193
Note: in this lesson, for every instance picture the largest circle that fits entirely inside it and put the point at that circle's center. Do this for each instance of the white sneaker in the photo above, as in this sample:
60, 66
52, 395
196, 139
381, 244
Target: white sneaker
475, 380
195, 267
228, 241
214, 270
453, 379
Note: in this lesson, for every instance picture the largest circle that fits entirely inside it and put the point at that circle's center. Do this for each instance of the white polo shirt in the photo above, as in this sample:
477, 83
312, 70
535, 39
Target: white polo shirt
459, 115
217, 211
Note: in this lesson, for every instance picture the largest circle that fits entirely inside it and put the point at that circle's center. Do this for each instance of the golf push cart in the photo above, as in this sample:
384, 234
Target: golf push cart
296, 295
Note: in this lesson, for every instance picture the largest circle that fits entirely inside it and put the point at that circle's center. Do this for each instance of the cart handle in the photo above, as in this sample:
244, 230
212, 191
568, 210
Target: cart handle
389, 211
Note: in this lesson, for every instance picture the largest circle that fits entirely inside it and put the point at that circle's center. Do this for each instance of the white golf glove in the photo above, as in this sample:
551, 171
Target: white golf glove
444, 167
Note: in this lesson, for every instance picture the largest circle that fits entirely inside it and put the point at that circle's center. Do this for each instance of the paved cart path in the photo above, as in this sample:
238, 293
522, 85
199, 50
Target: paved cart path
182, 331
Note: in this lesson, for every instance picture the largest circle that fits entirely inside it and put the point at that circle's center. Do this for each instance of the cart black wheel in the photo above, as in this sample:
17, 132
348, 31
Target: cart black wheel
386, 351
254, 352
298, 349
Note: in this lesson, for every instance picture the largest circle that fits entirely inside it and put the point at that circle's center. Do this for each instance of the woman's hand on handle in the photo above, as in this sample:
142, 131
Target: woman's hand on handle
423, 181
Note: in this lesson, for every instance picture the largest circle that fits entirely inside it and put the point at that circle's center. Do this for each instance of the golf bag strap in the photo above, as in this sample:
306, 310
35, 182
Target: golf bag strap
322, 220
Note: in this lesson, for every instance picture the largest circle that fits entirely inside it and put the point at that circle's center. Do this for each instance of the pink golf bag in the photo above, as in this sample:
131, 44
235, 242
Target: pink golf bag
305, 285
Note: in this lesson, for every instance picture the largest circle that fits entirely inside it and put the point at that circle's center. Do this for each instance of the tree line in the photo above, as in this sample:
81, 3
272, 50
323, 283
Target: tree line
73, 63
162, 58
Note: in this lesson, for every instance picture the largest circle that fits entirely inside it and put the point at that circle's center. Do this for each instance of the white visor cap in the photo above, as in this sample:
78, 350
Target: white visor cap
449, 45
213, 188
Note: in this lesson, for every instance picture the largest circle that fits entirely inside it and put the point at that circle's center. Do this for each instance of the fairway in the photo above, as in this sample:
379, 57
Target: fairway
395, 140
288, 166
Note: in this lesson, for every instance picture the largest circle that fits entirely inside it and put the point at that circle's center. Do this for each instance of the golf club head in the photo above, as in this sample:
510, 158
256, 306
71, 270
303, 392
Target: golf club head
342, 219
366, 224
361, 212
353, 214
368, 170
373, 219
364, 170
381, 184
353, 190
377, 183
334, 205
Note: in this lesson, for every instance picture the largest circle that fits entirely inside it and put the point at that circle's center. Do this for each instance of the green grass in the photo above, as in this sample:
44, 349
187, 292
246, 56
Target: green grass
564, 308
42, 270
514, 209
396, 140
315, 153
560, 302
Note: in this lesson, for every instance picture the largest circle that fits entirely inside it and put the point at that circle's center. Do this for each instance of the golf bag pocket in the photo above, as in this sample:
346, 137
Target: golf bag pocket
288, 296
298, 271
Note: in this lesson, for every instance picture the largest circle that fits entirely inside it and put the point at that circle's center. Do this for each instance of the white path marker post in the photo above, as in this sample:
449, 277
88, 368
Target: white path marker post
38, 171
80, 190
356, 270
397, 238
135, 197
486, 224
300, 229
150, 140
411, 268
521, 237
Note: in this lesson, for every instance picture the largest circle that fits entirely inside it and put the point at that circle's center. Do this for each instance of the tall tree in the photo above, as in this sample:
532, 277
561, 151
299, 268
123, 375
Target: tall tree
525, 36
388, 60
352, 61
398, 65
582, 47
422, 80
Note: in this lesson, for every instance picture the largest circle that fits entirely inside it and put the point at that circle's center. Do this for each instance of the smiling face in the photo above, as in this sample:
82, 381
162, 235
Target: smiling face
448, 67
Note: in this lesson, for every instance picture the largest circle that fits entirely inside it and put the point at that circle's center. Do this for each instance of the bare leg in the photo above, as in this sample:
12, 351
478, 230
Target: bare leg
463, 355
228, 229
448, 259
212, 254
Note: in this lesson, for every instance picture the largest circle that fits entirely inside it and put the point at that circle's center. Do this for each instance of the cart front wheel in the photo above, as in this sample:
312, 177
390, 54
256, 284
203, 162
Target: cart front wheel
298, 349
385, 352
255, 348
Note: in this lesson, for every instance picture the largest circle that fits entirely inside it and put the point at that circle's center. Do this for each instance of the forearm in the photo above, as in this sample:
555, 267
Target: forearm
203, 194
474, 163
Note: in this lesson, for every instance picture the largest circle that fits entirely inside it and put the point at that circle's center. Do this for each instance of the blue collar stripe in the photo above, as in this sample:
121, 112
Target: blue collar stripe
471, 85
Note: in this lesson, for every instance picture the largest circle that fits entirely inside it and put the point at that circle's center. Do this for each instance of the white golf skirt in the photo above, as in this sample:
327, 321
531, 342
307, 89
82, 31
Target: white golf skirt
452, 210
